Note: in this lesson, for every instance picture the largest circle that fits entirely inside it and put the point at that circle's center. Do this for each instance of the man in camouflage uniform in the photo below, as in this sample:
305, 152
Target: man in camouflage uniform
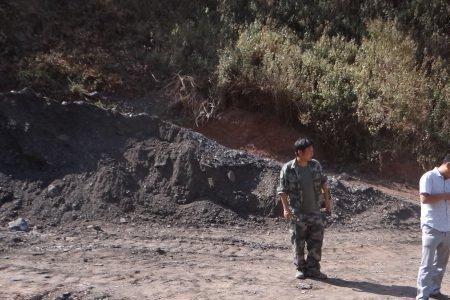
304, 191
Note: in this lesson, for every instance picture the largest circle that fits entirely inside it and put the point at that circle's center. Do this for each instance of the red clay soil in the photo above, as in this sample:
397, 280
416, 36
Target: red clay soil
253, 132
268, 137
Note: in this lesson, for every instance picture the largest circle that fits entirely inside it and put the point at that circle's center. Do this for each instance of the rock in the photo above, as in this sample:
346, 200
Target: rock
211, 182
52, 191
95, 227
70, 238
123, 220
16, 279
19, 224
65, 296
305, 286
16, 239
160, 251
37, 297
231, 176
345, 176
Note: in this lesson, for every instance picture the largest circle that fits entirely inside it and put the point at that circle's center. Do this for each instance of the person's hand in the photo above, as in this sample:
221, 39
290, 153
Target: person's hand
287, 214
328, 207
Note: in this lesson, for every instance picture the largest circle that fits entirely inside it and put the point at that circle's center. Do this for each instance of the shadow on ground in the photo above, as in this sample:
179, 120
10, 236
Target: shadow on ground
374, 288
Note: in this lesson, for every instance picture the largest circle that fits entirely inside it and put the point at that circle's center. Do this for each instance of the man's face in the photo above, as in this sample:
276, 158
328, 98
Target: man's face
447, 167
306, 154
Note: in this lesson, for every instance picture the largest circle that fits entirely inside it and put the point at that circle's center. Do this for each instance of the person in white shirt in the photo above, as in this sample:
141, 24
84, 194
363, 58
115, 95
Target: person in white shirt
434, 188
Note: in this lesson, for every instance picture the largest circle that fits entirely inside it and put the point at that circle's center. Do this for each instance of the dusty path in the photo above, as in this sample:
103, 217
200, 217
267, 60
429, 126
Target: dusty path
160, 262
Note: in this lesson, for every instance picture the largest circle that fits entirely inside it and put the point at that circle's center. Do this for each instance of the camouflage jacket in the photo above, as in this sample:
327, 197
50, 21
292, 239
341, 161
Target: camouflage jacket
290, 183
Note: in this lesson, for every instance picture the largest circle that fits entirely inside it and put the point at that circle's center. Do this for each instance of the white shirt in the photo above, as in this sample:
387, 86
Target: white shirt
435, 215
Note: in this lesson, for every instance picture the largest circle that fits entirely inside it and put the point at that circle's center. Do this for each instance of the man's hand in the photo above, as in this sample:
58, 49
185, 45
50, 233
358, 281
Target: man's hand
327, 196
427, 198
328, 207
287, 214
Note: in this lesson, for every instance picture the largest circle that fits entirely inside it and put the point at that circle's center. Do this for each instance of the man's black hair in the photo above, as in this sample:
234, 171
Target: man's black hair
302, 144
446, 159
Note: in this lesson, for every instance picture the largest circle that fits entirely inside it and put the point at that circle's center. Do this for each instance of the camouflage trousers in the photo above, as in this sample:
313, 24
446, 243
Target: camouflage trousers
307, 229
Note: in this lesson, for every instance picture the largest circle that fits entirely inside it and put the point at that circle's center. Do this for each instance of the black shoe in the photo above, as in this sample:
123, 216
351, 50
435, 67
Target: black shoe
439, 296
316, 274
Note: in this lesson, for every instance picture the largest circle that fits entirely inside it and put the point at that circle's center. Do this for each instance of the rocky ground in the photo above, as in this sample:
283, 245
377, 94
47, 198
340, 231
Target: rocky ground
128, 206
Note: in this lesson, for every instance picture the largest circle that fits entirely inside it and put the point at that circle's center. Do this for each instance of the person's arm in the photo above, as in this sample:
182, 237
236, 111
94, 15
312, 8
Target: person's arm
283, 190
287, 213
425, 190
327, 196
426, 198
325, 190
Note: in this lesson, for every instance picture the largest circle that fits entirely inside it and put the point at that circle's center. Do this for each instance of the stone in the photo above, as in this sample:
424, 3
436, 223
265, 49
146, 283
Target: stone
52, 190
19, 224
231, 176
161, 251
70, 238
37, 297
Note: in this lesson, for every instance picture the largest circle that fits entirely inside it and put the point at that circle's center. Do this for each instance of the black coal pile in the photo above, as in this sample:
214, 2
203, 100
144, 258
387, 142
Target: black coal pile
74, 161
370, 208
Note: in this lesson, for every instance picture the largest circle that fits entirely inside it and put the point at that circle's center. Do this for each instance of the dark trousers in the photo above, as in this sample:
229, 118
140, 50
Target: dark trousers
307, 229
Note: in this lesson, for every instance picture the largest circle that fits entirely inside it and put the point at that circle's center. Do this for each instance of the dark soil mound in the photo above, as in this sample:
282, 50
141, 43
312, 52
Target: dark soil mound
370, 208
73, 161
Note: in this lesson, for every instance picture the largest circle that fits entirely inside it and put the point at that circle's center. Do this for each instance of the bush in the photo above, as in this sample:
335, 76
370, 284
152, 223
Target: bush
132, 43
388, 84
307, 82
77, 74
395, 95
363, 102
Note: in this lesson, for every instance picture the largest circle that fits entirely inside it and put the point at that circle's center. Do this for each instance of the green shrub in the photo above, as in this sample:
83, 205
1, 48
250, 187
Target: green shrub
306, 82
68, 73
393, 99
388, 84
139, 43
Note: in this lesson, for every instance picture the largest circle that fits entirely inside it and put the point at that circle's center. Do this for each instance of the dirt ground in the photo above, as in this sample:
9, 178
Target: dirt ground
157, 261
